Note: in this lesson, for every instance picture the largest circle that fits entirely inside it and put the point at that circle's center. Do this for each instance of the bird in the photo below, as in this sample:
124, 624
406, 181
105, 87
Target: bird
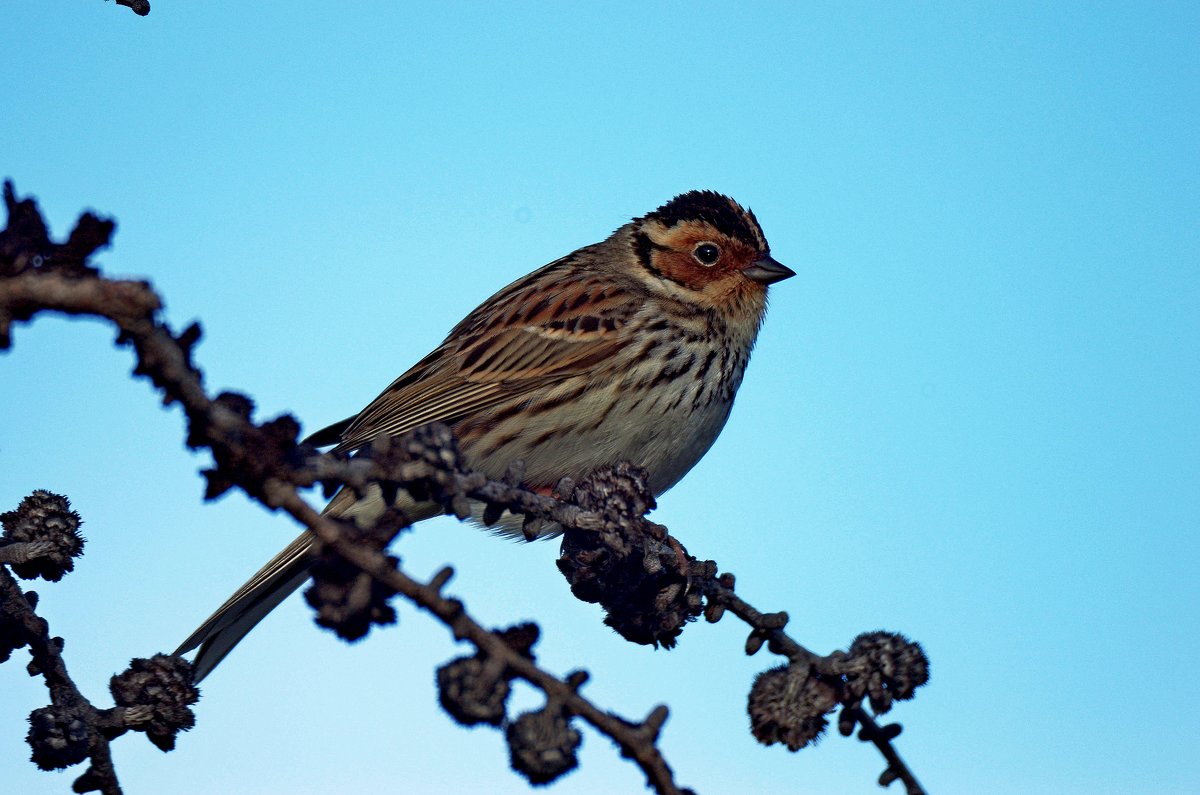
630, 349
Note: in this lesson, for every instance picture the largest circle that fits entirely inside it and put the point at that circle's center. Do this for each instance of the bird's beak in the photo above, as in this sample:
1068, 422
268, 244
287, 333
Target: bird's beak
766, 270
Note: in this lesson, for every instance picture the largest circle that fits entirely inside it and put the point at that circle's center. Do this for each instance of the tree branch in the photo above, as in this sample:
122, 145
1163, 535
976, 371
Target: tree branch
648, 584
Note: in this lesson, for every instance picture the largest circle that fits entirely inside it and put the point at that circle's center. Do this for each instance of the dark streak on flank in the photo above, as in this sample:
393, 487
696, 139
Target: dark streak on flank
708, 360
506, 439
542, 438
669, 374
612, 404
550, 405
506, 413
650, 345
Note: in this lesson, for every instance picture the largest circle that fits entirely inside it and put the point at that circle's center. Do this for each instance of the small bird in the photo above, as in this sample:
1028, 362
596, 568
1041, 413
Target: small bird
631, 349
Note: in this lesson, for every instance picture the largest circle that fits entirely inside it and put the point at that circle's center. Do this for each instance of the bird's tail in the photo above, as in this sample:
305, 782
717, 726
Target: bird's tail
250, 604
275, 581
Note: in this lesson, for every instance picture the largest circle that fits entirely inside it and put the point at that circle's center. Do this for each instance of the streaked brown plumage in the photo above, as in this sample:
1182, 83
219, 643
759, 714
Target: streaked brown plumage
629, 349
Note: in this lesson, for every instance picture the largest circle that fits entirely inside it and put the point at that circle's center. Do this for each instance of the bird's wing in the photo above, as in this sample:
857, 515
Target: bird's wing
535, 333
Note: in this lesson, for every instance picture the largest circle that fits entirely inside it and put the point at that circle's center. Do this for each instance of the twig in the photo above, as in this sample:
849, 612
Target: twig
139, 7
46, 651
636, 740
896, 769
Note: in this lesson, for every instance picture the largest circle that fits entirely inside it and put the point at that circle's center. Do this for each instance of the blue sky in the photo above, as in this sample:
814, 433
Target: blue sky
972, 417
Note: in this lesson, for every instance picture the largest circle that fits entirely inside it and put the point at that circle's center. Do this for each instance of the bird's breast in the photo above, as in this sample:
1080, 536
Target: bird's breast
660, 407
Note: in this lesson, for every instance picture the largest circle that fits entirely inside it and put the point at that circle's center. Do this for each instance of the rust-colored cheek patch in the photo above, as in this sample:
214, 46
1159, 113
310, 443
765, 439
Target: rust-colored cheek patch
675, 259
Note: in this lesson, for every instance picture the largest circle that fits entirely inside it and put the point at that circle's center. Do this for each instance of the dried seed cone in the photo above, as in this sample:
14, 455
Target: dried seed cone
896, 667
46, 518
163, 684
58, 738
471, 693
542, 745
788, 705
640, 580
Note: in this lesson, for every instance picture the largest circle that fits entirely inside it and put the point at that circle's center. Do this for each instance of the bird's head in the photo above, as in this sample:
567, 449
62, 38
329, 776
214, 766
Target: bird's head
705, 248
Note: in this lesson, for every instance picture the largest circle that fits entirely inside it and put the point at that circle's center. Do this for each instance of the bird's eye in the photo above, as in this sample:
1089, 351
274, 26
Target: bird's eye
706, 254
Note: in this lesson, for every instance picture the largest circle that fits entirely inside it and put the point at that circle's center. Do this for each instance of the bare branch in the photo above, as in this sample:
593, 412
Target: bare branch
153, 696
647, 583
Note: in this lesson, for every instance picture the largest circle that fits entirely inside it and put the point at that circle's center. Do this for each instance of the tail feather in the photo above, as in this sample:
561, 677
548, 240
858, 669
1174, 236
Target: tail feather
250, 604
282, 575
